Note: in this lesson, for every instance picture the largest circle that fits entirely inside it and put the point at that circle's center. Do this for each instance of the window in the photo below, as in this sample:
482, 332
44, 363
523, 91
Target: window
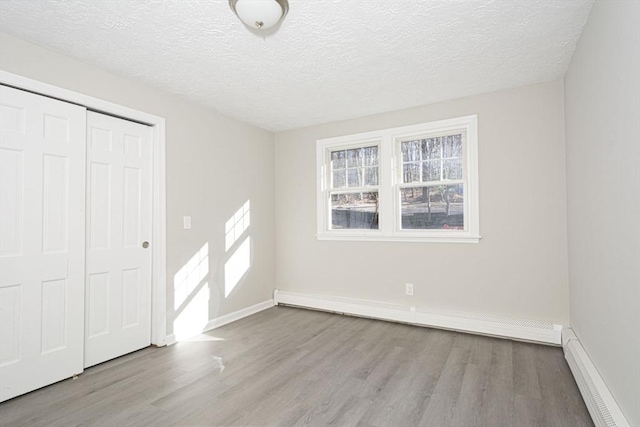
353, 190
432, 186
413, 183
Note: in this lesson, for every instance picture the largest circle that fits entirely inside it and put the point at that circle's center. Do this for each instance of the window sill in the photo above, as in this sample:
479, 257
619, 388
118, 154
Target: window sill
399, 238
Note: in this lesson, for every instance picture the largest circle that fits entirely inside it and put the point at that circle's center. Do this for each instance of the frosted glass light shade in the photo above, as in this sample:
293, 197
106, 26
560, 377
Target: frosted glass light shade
259, 14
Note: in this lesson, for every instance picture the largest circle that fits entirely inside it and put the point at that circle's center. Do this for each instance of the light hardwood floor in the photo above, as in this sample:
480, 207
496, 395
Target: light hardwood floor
288, 366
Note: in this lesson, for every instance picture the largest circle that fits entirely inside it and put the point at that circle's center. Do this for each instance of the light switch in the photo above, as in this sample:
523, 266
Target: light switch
186, 221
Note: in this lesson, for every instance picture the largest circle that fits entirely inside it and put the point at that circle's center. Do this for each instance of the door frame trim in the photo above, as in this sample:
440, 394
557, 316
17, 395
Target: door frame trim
159, 251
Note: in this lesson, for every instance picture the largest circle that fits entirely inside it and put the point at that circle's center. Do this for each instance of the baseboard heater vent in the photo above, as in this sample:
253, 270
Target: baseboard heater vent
527, 330
601, 405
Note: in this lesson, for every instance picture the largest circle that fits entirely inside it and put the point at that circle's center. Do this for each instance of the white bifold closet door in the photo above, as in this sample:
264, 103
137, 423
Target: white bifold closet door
42, 229
118, 239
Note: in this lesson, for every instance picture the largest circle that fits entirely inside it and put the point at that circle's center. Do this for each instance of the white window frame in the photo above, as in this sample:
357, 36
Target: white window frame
390, 182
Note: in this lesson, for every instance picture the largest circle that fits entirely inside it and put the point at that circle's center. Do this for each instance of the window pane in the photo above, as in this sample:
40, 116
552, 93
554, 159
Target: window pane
354, 157
453, 169
354, 211
355, 167
338, 159
371, 176
431, 170
411, 172
410, 151
339, 179
370, 156
452, 145
431, 148
438, 207
353, 178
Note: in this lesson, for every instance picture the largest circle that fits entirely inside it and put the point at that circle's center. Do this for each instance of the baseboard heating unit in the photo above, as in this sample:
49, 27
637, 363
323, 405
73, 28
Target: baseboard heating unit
526, 330
601, 405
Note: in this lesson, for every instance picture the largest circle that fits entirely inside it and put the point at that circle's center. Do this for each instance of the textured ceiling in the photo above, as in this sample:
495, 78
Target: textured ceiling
329, 60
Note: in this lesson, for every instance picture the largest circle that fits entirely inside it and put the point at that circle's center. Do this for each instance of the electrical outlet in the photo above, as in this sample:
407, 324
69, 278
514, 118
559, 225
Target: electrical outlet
186, 222
409, 288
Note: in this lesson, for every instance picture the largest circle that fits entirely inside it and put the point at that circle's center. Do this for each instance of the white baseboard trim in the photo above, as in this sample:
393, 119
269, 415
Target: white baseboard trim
603, 408
528, 330
228, 318
170, 340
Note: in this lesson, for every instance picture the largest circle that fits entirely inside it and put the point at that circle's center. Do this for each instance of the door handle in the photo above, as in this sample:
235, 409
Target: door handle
145, 245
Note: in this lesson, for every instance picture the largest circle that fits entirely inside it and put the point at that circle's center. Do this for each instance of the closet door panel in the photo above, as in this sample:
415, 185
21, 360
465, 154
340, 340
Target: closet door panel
118, 298
42, 229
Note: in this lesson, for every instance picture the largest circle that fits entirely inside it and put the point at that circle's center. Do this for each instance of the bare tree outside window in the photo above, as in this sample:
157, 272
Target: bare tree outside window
354, 211
434, 161
356, 169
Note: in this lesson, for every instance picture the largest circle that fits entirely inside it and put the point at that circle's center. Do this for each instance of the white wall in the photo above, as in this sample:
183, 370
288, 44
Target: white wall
602, 95
214, 165
519, 268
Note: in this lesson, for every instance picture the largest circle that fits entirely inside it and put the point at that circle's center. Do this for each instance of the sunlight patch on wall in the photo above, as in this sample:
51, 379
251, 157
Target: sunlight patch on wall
194, 317
236, 267
236, 225
187, 279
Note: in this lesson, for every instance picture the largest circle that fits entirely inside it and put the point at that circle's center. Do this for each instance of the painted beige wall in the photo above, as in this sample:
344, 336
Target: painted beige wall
602, 95
518, 269
214, 165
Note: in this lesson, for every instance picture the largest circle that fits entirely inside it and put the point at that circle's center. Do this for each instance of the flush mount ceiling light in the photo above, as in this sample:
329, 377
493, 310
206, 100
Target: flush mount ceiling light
260, 14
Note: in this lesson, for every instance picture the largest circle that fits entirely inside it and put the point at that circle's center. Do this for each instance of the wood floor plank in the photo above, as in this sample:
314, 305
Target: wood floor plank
287, 366
529, 411
497, 395
470, 402
442, 403
562, 404
525, 377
